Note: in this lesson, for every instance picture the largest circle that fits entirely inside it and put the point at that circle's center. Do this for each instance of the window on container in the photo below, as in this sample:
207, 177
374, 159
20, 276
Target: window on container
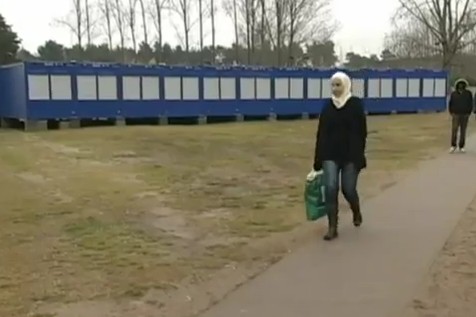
247, 89
61, 87
87, 87
173, 88
131, 88
190, 88
428, 87
358, 87
414, 88
401, 88
227, 88
38, 87
313, 88
263, 88
326, 88
107, 86
211, 88
386, 88
150, 88
297, 88
281, 88
373, 88
440, 87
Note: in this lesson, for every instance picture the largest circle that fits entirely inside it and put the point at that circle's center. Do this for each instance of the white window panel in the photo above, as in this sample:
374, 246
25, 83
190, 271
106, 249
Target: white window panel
281, 88
228, 88
373, 89
386, 88
107, 86
428, 87
414, 88
440, 87
297, 88
247, 89
173, 88
131, 88
263, 88
38, 87
326, 88
314, 88
190, 88
211, 88
401, 88
150, 88
61, 87
358, 87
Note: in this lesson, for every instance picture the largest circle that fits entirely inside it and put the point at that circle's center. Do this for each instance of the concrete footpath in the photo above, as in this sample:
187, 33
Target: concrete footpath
373, 271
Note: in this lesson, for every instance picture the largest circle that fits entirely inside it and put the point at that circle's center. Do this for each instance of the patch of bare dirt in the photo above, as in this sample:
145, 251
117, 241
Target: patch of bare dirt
34, 178
170, 221
450, 288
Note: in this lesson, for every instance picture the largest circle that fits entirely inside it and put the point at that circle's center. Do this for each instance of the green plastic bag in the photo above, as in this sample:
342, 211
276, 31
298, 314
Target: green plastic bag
314, 198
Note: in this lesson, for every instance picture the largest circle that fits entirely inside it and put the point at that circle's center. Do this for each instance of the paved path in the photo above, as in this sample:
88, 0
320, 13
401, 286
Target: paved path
372, 271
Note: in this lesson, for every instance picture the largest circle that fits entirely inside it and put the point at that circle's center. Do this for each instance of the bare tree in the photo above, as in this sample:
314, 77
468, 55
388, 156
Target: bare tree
183, 9
105, 8
247, 25
448, 21
237, 34
263, 22
212, 19
410, 39
281, 14
240, 12
309, 20
89, 27
143, 9
200, 19
131, 19
157, 14
231, 9
118, 14
265, 28
253, 26
244, 14
74, 22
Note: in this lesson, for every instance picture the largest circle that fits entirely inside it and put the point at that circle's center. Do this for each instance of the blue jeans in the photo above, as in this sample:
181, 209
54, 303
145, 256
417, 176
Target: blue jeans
348, 176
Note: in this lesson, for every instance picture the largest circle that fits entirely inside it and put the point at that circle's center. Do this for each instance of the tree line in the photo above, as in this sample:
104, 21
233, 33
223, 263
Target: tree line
260, 27
317, 54
425, 33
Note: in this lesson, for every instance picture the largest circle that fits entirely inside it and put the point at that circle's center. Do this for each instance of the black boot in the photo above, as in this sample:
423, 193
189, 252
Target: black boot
356, 215
332, 230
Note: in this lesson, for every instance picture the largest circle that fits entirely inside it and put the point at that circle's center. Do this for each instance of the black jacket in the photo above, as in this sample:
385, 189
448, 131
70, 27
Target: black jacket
342, 134
461, 101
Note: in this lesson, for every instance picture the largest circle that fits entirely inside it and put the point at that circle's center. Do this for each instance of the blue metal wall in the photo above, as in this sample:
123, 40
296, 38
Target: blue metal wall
39, 91
13, 91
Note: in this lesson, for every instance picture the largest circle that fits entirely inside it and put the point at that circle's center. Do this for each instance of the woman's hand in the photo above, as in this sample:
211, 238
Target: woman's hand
312, 174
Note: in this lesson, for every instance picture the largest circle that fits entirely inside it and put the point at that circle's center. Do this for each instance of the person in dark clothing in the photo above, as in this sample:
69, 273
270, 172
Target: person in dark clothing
460, 108
340, 149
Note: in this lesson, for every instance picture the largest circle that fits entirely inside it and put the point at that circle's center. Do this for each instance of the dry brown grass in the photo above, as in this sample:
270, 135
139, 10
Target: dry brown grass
111, 213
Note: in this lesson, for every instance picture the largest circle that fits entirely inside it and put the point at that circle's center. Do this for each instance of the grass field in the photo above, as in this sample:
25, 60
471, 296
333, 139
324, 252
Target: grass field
109, 214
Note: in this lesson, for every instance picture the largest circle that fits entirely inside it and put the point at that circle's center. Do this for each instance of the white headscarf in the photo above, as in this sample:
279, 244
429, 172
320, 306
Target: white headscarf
340, 101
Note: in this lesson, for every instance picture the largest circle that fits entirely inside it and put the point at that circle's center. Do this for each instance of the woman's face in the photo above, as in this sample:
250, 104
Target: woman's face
337, 87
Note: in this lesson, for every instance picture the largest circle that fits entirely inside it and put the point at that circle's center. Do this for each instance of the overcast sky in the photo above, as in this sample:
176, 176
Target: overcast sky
363, 23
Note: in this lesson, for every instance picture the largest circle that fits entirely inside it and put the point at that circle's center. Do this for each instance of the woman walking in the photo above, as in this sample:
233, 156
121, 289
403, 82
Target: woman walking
340, 149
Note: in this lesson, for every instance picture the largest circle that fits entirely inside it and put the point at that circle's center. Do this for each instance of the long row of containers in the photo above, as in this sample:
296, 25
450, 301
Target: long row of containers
63, 91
